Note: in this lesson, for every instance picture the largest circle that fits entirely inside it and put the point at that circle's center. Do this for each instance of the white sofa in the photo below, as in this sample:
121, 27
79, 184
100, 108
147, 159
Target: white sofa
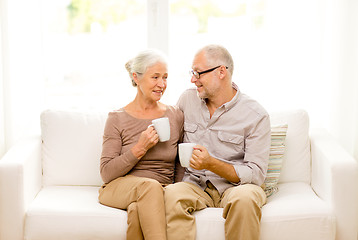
49, 186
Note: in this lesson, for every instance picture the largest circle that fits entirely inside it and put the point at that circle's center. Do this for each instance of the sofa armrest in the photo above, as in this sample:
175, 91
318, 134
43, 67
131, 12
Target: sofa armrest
20, 181
334, 179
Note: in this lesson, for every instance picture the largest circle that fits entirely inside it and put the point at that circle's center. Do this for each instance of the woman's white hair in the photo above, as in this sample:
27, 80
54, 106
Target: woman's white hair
143, 60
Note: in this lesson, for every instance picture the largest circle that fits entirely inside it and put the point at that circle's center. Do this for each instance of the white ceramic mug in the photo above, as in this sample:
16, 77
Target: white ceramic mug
162, 127
185, 152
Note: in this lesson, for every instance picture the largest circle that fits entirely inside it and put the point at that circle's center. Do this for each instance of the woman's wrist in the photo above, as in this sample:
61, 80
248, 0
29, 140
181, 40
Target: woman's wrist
138, 151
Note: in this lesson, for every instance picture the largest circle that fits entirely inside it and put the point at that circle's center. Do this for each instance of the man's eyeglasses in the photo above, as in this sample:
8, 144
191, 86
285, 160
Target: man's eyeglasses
197, 74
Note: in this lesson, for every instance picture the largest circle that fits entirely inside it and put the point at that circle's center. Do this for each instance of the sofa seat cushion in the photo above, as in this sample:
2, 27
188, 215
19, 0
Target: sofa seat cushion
294, 212
73, 212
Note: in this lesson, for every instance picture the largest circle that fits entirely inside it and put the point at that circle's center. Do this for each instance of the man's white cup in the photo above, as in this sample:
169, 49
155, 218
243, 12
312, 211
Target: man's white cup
162, 127
185, 152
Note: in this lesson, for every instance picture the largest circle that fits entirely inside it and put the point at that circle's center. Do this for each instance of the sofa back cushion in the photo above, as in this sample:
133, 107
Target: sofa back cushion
72, 145
296, 163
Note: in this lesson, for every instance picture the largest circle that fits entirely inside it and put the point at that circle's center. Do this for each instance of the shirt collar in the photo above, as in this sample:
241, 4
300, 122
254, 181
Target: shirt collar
228, 105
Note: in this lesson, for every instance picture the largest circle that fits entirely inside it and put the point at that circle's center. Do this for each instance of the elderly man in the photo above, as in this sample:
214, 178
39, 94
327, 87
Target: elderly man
229, 162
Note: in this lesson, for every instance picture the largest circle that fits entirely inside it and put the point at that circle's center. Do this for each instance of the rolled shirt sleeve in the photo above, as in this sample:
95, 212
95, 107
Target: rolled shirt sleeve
256, 154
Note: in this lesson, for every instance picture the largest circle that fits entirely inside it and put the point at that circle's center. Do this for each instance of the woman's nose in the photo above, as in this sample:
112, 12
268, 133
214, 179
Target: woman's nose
161, 83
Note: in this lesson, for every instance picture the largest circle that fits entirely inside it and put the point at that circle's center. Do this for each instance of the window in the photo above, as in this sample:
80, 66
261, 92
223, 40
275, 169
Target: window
193, 24
86, 44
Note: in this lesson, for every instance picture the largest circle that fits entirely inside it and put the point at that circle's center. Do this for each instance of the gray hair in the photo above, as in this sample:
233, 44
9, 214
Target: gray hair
218, 55
142, 61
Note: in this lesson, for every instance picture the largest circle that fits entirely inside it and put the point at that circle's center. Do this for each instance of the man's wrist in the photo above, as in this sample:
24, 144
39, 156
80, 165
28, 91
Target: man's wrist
211, 163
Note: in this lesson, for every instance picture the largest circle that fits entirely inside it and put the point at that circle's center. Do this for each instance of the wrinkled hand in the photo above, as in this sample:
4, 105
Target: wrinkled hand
148, 139
200, 159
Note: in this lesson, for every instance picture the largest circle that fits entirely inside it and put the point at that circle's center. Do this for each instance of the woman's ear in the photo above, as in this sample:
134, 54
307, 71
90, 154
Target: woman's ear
135, 77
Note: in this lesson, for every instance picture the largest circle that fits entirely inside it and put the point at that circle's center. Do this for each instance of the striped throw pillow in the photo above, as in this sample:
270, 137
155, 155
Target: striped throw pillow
277, 149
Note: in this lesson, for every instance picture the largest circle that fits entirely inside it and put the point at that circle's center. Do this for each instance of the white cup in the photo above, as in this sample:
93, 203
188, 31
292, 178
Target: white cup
162, 127
185, 152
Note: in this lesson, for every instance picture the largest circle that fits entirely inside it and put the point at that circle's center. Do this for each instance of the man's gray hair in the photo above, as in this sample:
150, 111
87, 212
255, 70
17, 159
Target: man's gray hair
218, 55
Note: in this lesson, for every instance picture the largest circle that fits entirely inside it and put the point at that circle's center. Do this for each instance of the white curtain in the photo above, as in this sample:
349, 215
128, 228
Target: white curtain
2, 129
2, 124
340, 61
22, 84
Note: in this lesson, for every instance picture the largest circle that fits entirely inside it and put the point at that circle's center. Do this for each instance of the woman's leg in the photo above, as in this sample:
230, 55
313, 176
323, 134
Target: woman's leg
134, 230
148, 196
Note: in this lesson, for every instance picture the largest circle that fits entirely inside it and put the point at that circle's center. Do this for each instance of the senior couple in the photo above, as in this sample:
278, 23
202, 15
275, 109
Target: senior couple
228, 165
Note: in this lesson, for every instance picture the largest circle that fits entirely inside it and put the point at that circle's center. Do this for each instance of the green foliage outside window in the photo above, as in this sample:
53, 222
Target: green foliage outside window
203, 9
83, 13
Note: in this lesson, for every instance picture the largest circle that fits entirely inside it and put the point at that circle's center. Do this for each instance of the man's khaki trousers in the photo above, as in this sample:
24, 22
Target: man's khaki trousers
144, 201
242, 209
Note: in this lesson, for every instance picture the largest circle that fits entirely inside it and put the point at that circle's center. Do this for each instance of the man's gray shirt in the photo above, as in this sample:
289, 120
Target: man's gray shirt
238, 133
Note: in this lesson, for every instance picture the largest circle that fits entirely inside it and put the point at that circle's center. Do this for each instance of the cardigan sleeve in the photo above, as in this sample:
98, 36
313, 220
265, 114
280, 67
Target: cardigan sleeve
113, 162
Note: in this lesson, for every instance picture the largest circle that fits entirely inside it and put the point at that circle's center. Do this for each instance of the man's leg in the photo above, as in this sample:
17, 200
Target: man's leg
242, 211
181, 200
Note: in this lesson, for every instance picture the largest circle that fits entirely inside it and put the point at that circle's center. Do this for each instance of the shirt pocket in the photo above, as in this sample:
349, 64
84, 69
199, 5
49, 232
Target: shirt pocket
190, 127
232, 140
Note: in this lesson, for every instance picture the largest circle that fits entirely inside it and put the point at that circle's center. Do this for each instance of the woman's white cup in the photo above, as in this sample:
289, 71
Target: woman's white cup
185, 152
162, 127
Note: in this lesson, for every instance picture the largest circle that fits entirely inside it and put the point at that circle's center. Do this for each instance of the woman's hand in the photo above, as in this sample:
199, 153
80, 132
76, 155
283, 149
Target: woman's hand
148, 139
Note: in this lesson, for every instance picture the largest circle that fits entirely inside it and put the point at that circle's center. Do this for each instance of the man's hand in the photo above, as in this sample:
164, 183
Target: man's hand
201, 159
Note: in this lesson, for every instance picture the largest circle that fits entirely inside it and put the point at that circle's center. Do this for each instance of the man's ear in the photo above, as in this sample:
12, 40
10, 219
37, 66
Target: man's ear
222, 72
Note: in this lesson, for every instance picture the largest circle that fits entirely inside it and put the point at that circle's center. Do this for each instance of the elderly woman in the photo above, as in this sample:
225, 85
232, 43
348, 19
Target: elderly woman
134, 165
